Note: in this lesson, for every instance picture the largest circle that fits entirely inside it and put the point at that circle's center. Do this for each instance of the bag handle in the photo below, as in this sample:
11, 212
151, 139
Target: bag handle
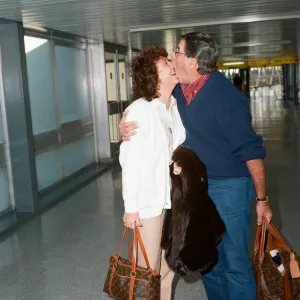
277, 235
122, 241
262, 243
259, 247
130, 255
136, 240
257, 239
266, 226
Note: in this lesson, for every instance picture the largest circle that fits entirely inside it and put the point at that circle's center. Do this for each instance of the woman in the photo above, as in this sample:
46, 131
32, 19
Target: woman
145, 159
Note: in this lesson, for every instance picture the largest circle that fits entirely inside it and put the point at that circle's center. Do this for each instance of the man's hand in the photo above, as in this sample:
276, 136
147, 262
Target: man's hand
131, 220
127, 129
257, 171
176, 169
263, 209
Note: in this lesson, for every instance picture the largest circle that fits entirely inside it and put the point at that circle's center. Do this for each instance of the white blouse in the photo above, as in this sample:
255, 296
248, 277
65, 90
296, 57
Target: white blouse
146, 157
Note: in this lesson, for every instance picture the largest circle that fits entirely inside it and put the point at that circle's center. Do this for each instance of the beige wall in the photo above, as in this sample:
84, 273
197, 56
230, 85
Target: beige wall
111, 79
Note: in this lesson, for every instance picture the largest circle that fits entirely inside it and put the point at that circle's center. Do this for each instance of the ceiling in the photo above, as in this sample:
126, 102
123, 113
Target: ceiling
243, 28
253, 41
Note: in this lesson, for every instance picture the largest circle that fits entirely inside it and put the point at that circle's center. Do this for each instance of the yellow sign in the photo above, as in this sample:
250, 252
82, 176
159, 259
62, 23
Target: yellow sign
260, 63
288, 60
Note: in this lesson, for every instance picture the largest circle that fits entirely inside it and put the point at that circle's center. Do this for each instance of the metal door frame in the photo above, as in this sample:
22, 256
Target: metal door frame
6, 139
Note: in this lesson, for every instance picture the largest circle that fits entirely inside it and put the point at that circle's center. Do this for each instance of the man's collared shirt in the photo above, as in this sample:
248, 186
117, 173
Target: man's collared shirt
191, 90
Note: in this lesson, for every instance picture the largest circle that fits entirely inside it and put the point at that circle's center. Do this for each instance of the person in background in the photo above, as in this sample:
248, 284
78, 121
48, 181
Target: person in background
238, 82
145, 159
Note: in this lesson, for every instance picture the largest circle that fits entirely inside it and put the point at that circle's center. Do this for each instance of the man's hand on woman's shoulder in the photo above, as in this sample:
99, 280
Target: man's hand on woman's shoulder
127, 129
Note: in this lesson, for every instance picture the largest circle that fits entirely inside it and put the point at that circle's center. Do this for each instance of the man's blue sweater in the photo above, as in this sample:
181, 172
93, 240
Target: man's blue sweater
219, 129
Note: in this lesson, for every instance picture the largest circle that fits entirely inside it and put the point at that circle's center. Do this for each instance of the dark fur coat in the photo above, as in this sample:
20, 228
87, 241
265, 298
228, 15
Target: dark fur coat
193, 227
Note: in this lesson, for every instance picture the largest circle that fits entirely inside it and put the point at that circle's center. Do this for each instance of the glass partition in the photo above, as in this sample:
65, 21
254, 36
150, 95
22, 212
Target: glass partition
60, 108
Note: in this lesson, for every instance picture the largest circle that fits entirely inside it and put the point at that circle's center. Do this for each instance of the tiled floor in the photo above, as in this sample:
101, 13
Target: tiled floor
63, 254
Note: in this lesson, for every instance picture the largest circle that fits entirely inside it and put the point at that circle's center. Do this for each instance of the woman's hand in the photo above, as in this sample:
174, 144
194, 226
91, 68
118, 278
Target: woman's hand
131, 220
176, 169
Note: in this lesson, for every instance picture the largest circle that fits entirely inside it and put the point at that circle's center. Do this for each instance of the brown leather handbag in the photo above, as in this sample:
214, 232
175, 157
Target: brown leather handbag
125, 280
277, 276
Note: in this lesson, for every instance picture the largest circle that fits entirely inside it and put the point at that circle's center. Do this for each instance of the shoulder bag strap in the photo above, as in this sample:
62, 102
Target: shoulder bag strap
136, 240
122, 241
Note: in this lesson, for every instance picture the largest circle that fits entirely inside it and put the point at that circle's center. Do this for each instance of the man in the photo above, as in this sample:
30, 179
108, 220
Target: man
217, 120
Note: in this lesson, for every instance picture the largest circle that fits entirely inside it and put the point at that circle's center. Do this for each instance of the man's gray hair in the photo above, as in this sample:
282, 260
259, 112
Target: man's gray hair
202, 47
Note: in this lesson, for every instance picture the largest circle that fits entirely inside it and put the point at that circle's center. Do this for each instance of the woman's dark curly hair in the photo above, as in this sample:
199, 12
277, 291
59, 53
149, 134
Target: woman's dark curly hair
145, 81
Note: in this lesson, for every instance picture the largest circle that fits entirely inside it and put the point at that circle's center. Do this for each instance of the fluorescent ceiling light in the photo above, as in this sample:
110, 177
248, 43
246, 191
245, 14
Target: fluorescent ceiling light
236, 63
245, 19
242, 56
34, 27
253, 44
263, 54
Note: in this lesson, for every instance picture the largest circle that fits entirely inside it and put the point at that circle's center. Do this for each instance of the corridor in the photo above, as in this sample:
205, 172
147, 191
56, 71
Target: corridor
63, 255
